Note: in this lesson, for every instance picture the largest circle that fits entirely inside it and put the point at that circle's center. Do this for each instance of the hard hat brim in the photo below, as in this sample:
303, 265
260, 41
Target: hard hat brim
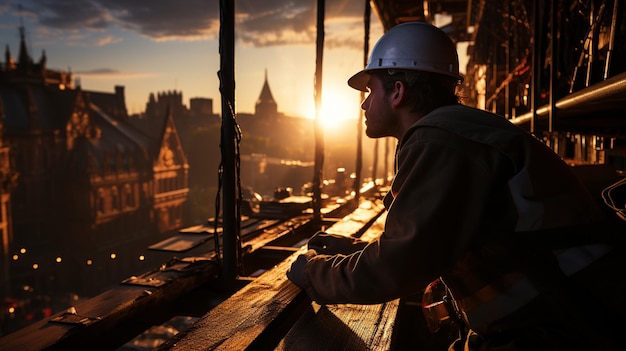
359, 81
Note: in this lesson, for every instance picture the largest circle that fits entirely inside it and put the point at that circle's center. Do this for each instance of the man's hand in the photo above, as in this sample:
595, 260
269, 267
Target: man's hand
332, 244
296, 271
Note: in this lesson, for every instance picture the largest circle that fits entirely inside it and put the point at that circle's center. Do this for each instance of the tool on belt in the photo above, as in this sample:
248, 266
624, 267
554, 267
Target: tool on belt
439, 307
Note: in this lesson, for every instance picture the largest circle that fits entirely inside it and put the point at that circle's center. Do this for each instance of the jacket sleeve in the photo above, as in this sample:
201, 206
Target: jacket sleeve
440, 191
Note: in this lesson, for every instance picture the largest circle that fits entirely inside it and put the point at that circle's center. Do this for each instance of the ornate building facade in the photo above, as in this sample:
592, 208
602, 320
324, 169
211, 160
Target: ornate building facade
93, 191
7, 183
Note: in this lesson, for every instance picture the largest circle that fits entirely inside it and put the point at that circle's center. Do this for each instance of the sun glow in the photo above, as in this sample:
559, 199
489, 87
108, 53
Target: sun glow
338, 105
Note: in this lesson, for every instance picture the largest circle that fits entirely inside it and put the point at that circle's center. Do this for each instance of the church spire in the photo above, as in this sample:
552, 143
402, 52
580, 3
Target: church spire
24, 59
265, 104
7, 58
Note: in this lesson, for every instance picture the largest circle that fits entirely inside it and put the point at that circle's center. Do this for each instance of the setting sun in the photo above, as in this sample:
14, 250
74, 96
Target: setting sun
337, 105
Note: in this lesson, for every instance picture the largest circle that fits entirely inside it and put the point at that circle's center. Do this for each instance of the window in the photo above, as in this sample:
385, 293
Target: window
115, 199
100, 201
129, 198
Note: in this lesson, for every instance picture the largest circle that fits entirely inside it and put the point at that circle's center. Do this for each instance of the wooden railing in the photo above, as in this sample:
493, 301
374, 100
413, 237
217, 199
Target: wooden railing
110, 319
271, 313
267, 312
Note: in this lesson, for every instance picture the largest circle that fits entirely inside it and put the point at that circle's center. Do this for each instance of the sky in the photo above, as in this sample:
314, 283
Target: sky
155, 46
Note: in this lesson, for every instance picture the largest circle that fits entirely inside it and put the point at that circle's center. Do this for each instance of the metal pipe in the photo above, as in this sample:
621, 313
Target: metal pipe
596, 95
319, 131
593, 40
609, 53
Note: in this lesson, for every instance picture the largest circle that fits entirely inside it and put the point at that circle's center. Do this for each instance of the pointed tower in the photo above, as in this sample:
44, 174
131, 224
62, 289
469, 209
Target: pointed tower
24, 60
9, 64
265, 104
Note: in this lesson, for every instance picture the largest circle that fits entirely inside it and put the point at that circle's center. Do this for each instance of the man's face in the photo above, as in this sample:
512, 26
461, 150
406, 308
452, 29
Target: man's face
379, 117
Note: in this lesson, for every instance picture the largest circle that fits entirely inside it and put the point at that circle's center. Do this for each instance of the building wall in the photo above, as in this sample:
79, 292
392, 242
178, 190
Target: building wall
87, 209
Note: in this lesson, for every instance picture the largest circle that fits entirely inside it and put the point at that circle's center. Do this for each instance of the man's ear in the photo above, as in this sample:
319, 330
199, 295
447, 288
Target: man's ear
399, 93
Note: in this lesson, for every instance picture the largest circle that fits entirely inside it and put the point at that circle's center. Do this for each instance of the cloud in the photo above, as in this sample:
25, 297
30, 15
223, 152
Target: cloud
279, 22
67, 14
109, 39
109, 73
99, 71
259, 23
166, 19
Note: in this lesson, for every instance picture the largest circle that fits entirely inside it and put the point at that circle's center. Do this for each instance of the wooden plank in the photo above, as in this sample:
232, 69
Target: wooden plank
285, 208
106, 321
347, 326
343, 327
244, 317
376, 229
180, 242
272, 313
115, 316
201, 229
44, 334
358, 221
276, 232
209, 226
195, 236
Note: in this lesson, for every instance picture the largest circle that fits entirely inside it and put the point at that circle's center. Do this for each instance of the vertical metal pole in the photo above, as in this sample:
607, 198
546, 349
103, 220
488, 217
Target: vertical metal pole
507, 57
536, 64
359, 133
554, 57
319, 131
593, 40
230, 199
614, 26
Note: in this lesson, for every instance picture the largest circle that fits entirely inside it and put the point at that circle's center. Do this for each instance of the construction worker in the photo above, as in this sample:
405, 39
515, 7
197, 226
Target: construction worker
479, 206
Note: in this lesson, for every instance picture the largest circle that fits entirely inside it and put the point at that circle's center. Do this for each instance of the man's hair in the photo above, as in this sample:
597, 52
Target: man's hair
426, 91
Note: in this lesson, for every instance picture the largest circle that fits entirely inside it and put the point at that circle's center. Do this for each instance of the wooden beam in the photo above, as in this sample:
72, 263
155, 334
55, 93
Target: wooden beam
110, 319
246, 317
343, 327
272, 313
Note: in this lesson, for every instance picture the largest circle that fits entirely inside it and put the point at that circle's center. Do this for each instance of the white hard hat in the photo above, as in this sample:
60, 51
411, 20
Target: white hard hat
414, 46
